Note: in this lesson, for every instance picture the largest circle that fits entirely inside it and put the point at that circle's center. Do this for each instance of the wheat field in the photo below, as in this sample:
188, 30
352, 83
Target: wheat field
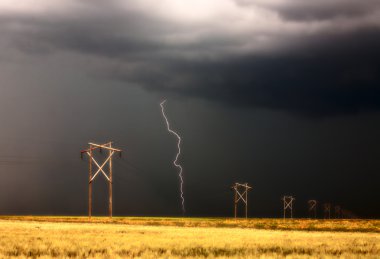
47, 237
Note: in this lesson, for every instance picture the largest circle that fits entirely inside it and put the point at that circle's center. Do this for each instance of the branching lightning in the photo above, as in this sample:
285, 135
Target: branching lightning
178, 154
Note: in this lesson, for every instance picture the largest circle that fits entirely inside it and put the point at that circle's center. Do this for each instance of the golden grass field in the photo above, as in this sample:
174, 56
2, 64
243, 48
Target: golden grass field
186, 237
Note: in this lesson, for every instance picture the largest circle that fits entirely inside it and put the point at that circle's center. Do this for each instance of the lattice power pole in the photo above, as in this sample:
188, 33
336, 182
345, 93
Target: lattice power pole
327, 210
312, 207
288, 205
241, 193
100, 168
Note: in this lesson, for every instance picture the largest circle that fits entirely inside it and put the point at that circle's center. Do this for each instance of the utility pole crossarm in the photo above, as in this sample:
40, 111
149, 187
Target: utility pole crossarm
242, 185
106, 146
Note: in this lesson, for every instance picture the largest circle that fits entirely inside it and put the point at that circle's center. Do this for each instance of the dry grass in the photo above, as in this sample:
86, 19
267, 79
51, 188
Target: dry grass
109, 240
338, 225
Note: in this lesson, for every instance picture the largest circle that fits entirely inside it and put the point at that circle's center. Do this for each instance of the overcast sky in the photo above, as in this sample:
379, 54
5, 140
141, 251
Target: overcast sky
282, 94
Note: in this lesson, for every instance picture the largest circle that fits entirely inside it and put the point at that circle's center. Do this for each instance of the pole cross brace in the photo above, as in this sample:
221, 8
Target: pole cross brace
100, 168
241, 196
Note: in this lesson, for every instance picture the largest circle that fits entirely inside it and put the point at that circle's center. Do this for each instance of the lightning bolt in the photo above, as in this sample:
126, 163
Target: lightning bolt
178, 154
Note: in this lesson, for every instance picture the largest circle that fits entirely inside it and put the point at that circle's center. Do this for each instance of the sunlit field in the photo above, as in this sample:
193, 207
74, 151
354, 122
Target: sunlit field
189, 237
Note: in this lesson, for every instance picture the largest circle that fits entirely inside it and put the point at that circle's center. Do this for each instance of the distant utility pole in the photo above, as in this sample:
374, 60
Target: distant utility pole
241, 193
327, 210
348, 214
312, 204
288, 205
338, 211
100, 168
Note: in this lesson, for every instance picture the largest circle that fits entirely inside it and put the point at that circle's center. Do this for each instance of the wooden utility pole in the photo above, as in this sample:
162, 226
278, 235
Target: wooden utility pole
312, 207
89, 183
241, 193
100, 168
288, 205
110, 182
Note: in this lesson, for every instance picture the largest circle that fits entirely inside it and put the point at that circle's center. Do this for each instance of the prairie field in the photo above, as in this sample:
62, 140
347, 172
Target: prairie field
78, 237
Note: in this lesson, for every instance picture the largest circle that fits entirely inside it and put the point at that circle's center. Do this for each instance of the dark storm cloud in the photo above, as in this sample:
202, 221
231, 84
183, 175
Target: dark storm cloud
306, 68
327, 10
331, 76
299, 10
84, 35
